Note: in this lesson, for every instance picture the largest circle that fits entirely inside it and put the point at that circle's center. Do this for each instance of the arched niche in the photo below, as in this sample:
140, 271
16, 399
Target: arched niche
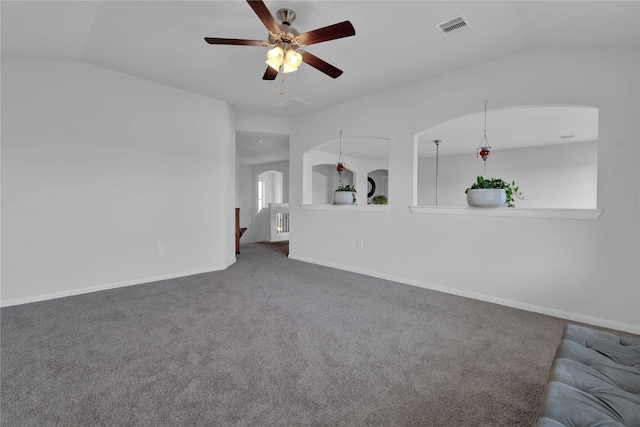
551, 152
325, 180
269, 188
378, 184
361, 155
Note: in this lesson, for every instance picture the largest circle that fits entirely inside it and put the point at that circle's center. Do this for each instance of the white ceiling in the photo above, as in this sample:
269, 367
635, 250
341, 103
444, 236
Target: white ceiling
261, 147
396, 42
363, 148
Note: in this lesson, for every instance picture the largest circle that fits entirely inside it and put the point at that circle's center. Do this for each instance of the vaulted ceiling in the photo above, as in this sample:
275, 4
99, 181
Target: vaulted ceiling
396, 42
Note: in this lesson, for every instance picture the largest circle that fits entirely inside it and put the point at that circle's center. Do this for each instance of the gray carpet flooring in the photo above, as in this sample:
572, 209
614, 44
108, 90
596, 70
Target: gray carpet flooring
273, 342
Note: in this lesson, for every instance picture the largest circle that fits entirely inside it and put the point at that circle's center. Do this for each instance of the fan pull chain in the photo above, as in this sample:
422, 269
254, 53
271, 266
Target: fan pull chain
282, 85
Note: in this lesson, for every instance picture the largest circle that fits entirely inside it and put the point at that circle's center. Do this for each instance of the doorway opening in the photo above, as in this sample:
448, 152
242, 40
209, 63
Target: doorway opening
269, 189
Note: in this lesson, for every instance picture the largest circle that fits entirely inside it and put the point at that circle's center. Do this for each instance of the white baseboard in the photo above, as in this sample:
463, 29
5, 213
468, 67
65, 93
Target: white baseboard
72, 292
576, 317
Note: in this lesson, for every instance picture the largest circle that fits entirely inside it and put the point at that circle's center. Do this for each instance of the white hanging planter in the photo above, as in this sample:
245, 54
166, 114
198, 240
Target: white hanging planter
343, 198
487, 197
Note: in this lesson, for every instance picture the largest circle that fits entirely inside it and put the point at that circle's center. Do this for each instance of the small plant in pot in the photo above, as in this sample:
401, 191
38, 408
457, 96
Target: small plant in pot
380, 199
345, 195
492, 192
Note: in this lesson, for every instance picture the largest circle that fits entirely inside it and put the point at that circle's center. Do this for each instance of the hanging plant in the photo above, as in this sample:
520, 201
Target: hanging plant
341, 163
351, 188
341, 198
510, 189
484, 149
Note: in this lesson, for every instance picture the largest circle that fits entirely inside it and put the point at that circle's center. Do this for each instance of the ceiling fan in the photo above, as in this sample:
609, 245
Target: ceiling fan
286, 42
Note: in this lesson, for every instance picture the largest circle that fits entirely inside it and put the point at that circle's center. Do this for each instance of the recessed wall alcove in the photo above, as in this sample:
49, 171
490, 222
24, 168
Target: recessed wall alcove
366, 159
551, 152
378, 184
325, 180
269, 189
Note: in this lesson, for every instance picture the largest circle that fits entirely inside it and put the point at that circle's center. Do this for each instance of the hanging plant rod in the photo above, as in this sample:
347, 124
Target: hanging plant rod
484, 149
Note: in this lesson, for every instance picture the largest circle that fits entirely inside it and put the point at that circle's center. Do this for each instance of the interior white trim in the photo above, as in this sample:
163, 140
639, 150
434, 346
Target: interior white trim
347, 208
576, 317
590, 214
54, 295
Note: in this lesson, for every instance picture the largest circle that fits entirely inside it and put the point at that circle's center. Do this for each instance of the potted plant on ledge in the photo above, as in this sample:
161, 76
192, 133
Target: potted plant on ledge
492, 193
345, 195
380, 199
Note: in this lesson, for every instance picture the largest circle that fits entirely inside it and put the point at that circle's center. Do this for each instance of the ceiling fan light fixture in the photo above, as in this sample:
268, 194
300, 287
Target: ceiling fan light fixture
293, 58
292, 61
275, 57
288, 69
284, 38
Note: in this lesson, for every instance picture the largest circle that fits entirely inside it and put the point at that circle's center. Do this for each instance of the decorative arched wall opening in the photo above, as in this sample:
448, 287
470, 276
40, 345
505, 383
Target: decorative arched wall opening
269, 189
325, 180
378, 188
361, 155
551, 152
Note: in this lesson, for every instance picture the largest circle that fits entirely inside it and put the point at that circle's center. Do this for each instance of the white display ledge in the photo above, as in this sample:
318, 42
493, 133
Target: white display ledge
346, 208
591, 214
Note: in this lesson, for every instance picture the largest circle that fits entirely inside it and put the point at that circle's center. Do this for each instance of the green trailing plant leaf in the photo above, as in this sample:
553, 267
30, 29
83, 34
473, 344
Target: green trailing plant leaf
510, 188
350, 188
346, 188
380, 199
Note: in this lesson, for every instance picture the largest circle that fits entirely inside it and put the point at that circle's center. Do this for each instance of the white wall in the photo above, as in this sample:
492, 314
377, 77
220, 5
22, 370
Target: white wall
245, 194
259, 229
578, 269
268, 124
321, 183
325, 180
272, 187
98, 169
248, 190
553, 176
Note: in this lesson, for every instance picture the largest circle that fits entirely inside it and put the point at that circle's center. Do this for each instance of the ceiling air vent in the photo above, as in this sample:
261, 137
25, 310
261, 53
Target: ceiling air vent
453, 26
289, 104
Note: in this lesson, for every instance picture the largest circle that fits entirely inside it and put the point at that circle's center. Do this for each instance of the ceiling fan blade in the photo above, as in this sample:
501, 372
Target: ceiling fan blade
332, 32
237, 42
321, 65
265, 16
270, 74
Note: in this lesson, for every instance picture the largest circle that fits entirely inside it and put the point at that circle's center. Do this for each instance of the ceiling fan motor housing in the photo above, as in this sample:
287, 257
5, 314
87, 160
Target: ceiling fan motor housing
286, 16
287, 33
